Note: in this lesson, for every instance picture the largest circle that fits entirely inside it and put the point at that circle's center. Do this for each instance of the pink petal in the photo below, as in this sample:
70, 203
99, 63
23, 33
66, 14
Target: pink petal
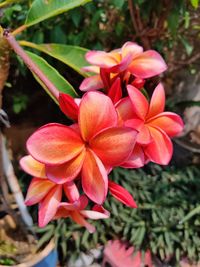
101, 59
94, 69
124, 110
54, 144
140, 104
101, 209
79, 219
94, 215
48, 207
79, 204
94, 178
169, 122
93, 114
114, 145
136, 159
91, 83
71, 191
147, 64
66, 172
33, 167
157, 103
144, 136
123, 64
138, 83
68, 106
131, 48
115, 91
160, 149
121, 194
37, 190
61, 213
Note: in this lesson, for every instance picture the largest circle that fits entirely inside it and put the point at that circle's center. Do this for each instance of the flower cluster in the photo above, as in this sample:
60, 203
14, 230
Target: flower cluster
116, 126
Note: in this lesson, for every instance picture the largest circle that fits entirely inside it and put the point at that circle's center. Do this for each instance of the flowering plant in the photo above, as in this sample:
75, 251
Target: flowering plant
116, 126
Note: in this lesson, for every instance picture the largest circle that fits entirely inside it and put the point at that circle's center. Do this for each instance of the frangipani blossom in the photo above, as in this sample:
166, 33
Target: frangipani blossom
127, 61
154, 125
88, 149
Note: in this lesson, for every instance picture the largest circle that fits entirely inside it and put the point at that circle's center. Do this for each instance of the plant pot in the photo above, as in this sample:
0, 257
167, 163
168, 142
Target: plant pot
45, 258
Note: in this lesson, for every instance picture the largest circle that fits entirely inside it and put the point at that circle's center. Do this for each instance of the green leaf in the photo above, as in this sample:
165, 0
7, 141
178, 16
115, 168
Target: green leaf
190, 214
194, 3
44, 9
53, 75
73, 56
188, 47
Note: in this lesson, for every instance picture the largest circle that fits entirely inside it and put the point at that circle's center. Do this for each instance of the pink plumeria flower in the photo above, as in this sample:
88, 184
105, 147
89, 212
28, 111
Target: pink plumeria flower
127, 61
75, 208
88, 149
155, 126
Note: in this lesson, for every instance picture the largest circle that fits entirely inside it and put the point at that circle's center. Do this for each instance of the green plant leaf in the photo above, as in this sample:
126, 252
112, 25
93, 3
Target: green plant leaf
194, 3
73, 56
53, 75
44, 9
190, 214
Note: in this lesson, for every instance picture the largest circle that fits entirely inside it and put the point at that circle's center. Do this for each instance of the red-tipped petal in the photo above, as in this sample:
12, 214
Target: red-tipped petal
79, 219
125, 110
169, 122
121, 194
115, 91
147, 64
96, 113
37, 190
54, 144
71, 191
94, 178
102, 59
136, 159
114, 145
91, 83
68, 106
140, 104
66, 172
160, 149
48, 207
157, 103
33, 167
101, 209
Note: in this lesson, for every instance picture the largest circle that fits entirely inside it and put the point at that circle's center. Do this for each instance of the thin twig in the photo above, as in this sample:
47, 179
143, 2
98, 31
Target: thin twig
30, 64
130, 5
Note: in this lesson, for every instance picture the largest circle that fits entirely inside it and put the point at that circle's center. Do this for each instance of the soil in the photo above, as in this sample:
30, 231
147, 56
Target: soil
16, 245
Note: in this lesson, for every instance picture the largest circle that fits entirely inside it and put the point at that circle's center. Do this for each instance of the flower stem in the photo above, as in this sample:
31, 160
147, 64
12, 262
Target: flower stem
30, 64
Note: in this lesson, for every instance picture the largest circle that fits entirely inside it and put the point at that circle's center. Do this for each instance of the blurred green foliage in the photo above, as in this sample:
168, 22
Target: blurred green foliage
164, 198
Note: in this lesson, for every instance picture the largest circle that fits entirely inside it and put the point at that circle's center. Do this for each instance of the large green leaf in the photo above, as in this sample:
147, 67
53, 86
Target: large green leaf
44, 9
73, 56
53, 75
